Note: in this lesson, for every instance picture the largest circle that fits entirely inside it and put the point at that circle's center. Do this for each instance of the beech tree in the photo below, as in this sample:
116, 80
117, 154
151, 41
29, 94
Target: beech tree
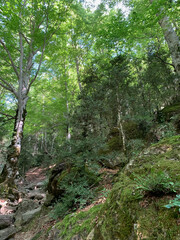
26, 29
169, 31
144, 18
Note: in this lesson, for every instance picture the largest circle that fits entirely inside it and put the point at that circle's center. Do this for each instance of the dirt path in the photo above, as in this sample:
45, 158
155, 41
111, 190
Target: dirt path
36, 175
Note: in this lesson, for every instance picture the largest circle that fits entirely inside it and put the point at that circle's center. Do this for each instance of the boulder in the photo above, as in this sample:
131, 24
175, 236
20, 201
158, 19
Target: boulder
5, 221
114, 160
22, 219
28, 216
36, 195
26, 211
7, 233
54, 234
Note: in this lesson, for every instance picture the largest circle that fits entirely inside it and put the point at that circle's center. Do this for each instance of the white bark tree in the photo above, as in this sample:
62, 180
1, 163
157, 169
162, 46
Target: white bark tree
171, 38
26, 28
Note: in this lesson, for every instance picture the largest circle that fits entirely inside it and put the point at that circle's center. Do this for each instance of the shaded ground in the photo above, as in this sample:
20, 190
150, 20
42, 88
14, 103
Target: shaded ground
32, 178
31, 187
36, 175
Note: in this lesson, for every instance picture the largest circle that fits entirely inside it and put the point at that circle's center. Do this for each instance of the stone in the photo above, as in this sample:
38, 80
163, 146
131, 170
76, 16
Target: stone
115, 160
7, 233
5, 221
91, 235
25, 211
40, 185
77, 237
11, 197
27, 205
49, 200
36, 195
26, 217
54, 234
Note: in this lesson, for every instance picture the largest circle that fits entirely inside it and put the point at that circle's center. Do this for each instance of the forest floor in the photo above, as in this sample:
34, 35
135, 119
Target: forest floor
32, 178
32, 189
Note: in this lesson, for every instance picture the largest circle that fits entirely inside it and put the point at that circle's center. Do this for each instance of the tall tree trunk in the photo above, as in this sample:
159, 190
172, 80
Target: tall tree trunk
172, 40
120, 125
10, 171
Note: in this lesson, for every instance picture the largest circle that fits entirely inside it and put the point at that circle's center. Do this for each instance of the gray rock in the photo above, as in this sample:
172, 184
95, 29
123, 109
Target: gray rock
22, 219
7, 233
54, 234
28, 207
26, 217
114, 160
5, 221
91, 235
40, 184
36, 195
77, 237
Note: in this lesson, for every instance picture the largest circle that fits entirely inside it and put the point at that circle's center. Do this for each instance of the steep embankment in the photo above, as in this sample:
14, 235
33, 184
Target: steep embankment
135, 207
133, 210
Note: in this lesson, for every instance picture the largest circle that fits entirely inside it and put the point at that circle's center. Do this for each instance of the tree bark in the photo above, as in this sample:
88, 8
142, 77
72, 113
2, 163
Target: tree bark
10, 171
120, 125
172, 40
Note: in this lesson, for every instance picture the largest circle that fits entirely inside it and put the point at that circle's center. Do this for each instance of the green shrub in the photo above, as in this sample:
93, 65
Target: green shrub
174, 203
135, 146
78, 192
156, 184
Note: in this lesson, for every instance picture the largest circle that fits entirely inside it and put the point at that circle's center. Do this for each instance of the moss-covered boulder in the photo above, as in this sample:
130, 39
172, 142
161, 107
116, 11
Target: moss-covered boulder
168, 112
132, 130
78, 226
132, 211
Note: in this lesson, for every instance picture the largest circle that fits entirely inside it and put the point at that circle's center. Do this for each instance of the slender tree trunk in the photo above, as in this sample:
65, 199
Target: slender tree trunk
120, 125
10, 171
172, 40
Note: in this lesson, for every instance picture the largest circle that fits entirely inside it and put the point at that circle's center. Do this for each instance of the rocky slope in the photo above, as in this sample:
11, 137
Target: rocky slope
15, 214
135, 207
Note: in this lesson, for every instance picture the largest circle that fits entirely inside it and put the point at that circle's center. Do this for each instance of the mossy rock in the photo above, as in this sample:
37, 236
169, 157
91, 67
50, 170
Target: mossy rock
114, 144
131, 129
114, 160
78, 224
168, 112
128, 213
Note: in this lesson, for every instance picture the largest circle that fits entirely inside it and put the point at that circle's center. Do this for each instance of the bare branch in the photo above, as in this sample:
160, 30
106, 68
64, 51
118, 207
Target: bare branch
7, 115
26, 39
40, 62
2, 85
165, 61
8, 86
10, 58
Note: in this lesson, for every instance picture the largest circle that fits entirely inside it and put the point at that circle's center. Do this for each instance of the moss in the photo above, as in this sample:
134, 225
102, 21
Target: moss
78, 223
168, 112
174, 140
156, 222
127, 213
175, 108
115, 143
131, 130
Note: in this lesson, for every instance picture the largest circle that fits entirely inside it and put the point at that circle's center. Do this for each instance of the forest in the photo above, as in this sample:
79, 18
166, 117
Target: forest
89, 119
